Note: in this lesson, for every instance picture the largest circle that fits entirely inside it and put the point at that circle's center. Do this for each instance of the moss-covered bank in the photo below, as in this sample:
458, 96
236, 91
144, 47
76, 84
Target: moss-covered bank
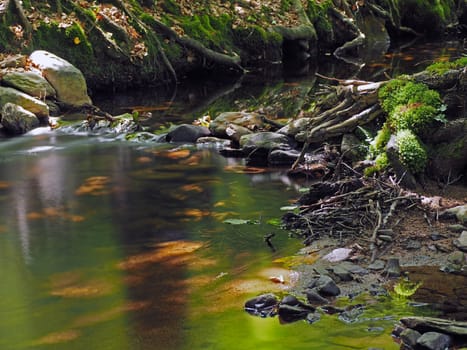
138, 42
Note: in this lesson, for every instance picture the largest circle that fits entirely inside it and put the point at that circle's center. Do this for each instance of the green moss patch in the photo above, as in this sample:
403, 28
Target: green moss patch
412, 152
213, 32
440, 68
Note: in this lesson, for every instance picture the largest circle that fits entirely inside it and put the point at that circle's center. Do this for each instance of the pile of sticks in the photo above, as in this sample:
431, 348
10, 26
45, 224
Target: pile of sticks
360, 209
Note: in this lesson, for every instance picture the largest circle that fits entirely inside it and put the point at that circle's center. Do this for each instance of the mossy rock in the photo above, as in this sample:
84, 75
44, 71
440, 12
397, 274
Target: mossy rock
412, 152
427, 16
403, 92
415, 117
70, 43
258, 44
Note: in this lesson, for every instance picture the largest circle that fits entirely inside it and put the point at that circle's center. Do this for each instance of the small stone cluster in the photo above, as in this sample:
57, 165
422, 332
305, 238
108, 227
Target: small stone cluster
34, 87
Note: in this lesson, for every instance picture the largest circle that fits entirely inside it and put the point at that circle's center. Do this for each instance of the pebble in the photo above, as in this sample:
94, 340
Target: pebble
376, 265
461, 242
413, 244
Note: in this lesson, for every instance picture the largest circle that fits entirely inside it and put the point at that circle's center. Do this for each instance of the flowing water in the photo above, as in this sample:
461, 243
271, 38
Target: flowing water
108, 244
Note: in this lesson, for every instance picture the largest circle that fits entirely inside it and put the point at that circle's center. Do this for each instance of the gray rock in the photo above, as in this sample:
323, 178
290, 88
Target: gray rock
377, 265
251, 121
352, 148
280, 157
30, 83
263, 305
457, 258
393, 268
342, 273
66, 79
461, 242
291, 309
413, 244
325, 286
313, 317
434, 341
34, 105
235, 132
187, 133
314, 298
459, 212
17, 120
212, 142
258, 146
449, 145
410, 337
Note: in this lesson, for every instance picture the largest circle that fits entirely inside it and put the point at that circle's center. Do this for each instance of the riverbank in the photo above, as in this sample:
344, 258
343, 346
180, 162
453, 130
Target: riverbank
399, 239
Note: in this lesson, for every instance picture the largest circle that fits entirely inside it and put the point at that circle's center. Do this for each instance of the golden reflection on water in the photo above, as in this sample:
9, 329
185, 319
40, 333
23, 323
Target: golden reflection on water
57, 213
107, 315
94, 186
58, 337
4, 185
171, 253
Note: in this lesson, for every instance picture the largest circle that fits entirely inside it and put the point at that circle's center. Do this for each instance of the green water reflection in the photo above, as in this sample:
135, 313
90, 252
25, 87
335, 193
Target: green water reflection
106, 245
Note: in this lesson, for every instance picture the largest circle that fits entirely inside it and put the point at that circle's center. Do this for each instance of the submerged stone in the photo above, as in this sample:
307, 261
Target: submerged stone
263, 305
291, 309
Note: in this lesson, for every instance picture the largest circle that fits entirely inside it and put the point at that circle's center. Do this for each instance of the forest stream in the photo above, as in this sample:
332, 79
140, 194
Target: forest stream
112, 244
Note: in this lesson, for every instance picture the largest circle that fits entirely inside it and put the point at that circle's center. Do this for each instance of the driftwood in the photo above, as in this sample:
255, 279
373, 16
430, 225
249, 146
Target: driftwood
431, 324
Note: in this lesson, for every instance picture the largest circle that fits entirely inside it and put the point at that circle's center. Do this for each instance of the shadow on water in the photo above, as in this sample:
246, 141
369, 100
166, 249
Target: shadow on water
194, 98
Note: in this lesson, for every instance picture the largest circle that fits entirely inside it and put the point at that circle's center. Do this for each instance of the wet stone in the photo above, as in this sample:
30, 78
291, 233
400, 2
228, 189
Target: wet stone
291, 309
314, 298
393, 268
413, 244
352, 315
436, 236
342, 273
461, 242
376, 265
409, 337
187, 133
230, 152
263, 305
457, 258
434, 341
325, 286
377, 290
313, 317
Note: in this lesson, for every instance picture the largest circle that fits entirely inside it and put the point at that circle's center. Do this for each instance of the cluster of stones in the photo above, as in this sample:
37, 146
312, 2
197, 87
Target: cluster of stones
37, 86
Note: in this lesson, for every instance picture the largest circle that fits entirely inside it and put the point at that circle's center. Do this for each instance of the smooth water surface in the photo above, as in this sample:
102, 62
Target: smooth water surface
108, 244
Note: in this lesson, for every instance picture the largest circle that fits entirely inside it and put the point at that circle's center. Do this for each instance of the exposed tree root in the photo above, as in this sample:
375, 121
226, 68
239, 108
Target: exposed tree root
358, 106
192, 44
18, 8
